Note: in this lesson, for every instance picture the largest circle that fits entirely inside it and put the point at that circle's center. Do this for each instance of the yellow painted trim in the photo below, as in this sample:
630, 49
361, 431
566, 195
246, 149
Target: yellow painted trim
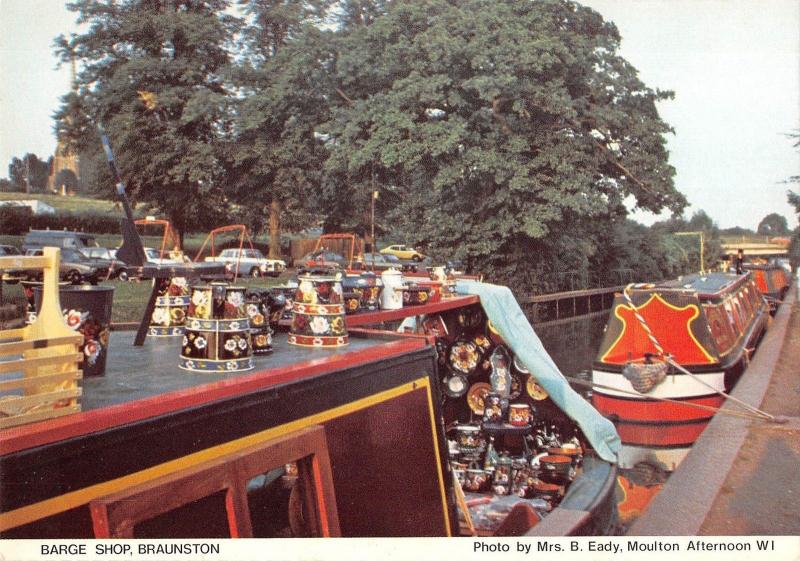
442, 491
654, 296
63, 503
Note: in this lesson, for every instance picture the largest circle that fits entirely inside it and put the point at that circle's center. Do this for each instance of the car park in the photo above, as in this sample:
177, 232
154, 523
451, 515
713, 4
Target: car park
118, 268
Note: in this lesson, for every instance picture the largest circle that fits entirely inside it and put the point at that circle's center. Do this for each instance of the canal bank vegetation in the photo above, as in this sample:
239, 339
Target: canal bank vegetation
511, 136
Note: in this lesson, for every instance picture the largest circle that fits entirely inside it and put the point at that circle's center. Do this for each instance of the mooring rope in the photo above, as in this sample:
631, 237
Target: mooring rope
669, 360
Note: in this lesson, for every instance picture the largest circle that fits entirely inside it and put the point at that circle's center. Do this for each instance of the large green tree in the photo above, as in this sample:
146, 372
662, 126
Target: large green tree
275, 157
492, 127
28, 174
153, 76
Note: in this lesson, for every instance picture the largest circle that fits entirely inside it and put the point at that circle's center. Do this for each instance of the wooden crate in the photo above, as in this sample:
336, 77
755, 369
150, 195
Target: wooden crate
39, 363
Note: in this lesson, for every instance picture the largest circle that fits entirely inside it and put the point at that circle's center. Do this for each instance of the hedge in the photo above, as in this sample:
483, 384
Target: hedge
16, 221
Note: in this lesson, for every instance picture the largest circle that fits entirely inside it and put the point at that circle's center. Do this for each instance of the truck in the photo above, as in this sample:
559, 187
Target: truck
250, 262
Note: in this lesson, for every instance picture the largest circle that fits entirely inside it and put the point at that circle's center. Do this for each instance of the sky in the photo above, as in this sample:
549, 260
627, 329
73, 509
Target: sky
734, 66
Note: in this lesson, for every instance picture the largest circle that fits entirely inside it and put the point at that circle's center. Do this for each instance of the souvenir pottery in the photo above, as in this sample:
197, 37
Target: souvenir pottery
259, 309
501, 481
475, 480
534, 390
436, 326
519, 414
362, 292
415, 295
318, 316
516, 386
470, 439
520, 474
475, 396
392, 295
501, 372
172, 304
434, 290
555, 468
217, 333
493, 408
456, 386
464, 357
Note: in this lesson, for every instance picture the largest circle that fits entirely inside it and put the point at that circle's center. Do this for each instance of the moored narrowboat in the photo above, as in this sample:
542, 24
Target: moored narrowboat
707, 324
772, 280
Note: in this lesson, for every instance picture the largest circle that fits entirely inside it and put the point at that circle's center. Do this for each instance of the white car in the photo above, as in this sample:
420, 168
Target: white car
251, 262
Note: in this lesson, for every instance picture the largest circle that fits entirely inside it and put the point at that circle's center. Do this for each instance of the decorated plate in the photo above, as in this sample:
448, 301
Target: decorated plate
456, 386
464, 357
475, 396
536, 391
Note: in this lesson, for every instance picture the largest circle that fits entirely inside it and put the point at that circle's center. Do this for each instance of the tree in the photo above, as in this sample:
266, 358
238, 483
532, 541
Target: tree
275, 158
153, 76
491, 127
773, 224
29, 174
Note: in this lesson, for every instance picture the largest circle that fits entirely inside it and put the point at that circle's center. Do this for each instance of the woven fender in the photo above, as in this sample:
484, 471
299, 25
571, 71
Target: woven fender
645, 377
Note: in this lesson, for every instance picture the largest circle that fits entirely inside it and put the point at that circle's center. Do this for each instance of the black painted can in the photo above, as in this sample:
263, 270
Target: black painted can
87, 310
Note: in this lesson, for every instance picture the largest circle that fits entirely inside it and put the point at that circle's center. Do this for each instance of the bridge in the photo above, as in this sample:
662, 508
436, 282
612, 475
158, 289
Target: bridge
763, 249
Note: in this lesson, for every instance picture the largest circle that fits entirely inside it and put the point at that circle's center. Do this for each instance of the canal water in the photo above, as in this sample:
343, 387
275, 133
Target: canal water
573, 344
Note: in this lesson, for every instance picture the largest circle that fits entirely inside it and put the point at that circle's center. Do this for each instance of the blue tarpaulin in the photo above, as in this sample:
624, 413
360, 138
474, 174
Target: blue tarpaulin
510, 322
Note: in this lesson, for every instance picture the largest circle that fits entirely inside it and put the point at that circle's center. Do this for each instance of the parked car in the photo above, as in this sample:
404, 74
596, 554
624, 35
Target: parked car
118, 268
154, 256
251, 262
322, 259
6, 250
11, 277
36, 239
403, 252
378, 262
75, 267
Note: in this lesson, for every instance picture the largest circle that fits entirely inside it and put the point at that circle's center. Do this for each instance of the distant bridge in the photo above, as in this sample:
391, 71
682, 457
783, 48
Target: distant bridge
763, 248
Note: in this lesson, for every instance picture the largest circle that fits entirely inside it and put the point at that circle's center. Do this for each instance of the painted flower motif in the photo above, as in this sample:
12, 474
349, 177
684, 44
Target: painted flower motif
317, 341
352, 304
307, 292
252, 310
230, 345
234, 325
299, 323
179, 281
243, 343
230, 365
75, 318
200, 342
257, 319
235, 298
337, 325
177, 315
194, 324
189, 364
423, 296
187, 350
261, 341
340, 340
91, 350
160, 316
319, 325
201, 311
199, 298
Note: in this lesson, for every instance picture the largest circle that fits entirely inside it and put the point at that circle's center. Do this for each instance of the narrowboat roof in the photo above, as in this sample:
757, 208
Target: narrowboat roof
708, 285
